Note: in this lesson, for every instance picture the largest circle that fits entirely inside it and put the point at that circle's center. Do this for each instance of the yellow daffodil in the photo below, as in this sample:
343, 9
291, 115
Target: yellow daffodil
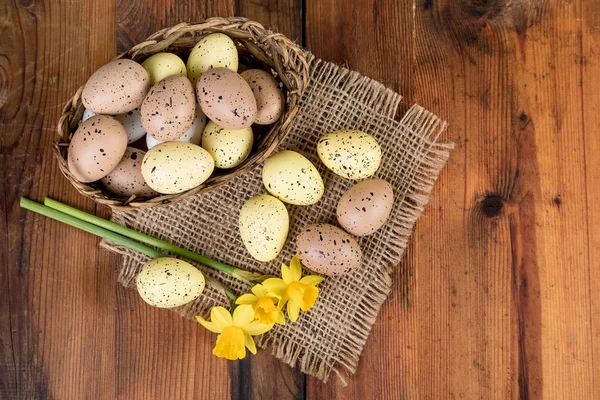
264, 304
299, 293
235, 331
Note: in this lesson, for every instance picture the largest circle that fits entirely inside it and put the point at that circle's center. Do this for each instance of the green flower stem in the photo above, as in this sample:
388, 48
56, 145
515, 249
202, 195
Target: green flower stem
161, 244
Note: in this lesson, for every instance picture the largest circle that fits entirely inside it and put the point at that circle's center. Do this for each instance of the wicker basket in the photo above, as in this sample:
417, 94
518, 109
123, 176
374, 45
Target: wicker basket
258, 47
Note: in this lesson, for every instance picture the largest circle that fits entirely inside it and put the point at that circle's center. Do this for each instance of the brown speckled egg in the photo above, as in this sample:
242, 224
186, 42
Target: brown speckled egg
365, 207
268, 95
126, 179
169, 108
96, 148
328, 250
226, 98
116, 88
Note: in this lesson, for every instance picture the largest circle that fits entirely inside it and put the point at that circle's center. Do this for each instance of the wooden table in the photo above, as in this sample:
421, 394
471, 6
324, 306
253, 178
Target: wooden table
499, 293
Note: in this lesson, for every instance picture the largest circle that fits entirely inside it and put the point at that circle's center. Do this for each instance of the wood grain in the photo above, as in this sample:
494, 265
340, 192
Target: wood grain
499, 293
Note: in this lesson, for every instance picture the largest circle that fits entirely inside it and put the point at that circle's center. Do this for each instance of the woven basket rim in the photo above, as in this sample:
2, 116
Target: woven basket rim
281, 54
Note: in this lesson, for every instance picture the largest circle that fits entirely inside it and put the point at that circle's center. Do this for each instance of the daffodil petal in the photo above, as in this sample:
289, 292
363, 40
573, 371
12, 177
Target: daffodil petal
220, 317
286, 274
310, 298
249, 343
230, 344
243, 315
293, 310
295, 269
257, 328
209, 325
260, 291
275, 287
280, 318
312, 280
246, 299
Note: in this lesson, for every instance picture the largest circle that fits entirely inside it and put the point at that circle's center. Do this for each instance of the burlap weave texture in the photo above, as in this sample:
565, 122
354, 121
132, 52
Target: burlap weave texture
331, 336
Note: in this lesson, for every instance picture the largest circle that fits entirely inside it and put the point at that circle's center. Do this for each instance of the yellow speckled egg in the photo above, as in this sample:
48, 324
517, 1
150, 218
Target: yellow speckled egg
167, 282
116, 88
228, 147
213, 51
350, 154
292, 178
96, 148
162, 65
264, 225
174, 167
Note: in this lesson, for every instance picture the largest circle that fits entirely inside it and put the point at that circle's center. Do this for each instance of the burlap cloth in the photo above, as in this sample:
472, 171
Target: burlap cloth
331, 336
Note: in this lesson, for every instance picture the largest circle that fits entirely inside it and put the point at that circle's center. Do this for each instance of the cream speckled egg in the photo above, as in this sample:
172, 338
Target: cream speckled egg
96, 148
87, 114
126, 179
213, 51
292, 178
228, 147
161, 65
174, 167
167, 282
116, 88
351, 154
264, 225
132, 122
268, 95
328, 250
192, 135
169, 108
226, 98
365, 207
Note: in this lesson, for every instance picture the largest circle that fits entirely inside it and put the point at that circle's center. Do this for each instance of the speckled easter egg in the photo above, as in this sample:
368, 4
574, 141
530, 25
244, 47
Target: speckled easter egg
126, 179
292, 178
87, 114
174, 167
268, 95
226, 98
162, 65
132, 122
167, 282
116, 88
96, 148
228, 147
169, 108
350, 154
365, 207
216, 50
264, 225
192, 135
328, 250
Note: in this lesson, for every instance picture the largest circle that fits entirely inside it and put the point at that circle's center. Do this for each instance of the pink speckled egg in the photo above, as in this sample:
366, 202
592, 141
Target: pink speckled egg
96, 148
328, 250
126, 179
365, 207
169, 108
268, 95
116, 88
226, 98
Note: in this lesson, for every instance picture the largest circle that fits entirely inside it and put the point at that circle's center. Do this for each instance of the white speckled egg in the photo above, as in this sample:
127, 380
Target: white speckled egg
328, 250
264, 225
365, 207
126, 179
292, 178
216, 50
116, 88
132, 122
226, 98
350, 154
96, 148
161, 65
228, 147
87, 114
192, 135
168, 282
268, 95
174, 167
169, 108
